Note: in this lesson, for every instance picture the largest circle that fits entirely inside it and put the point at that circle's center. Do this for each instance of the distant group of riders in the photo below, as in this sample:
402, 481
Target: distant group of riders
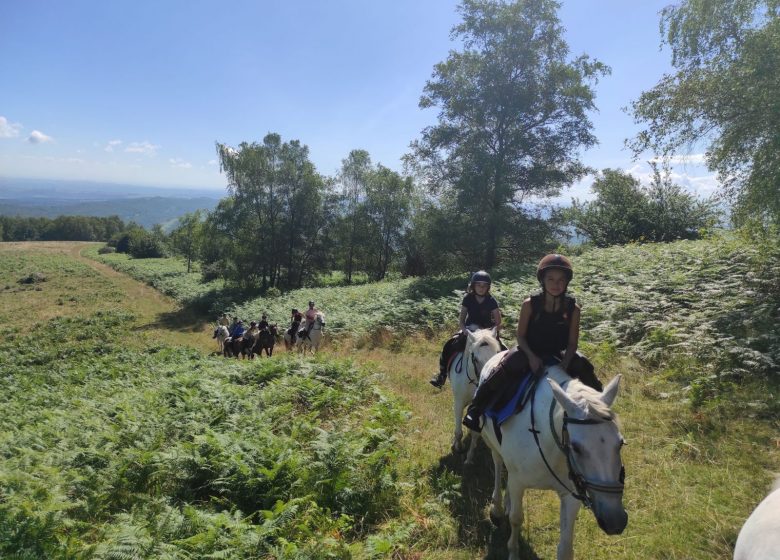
241, 339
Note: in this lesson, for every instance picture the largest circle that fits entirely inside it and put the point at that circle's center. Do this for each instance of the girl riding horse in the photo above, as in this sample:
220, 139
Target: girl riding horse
547, 332
478, 309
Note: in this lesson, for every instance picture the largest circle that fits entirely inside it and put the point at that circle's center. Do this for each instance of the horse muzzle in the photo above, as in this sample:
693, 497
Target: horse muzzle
613, 523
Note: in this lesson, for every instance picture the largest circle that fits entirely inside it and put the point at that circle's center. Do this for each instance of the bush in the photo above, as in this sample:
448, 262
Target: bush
106, 250
144, 245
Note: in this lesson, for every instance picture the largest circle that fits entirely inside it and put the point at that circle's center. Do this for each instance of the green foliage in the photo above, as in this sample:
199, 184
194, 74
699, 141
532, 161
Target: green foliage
163, 453
623, 211
726, 55
711, 303
142, 244
61, 228
273, 223
513, 118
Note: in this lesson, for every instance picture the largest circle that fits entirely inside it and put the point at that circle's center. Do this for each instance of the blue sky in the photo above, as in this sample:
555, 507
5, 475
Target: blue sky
139, 91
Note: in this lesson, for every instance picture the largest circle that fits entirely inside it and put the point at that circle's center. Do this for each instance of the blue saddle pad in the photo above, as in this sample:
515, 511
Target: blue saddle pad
500, 416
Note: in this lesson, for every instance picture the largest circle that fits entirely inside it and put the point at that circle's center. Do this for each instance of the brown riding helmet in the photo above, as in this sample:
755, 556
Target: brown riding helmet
549, 262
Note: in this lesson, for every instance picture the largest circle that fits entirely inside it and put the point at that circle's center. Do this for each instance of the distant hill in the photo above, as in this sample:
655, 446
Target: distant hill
146, 206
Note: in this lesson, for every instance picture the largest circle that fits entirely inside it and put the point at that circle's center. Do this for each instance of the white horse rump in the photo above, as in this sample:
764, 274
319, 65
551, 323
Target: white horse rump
759, 538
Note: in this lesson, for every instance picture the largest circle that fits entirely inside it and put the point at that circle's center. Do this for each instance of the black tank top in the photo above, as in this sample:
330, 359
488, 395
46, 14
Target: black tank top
548, 333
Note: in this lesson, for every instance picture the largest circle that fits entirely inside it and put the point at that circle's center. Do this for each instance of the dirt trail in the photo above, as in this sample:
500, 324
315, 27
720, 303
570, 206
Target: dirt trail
157, 314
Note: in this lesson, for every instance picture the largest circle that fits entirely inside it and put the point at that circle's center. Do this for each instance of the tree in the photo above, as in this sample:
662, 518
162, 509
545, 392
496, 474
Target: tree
271, 219
723, 95
355, 169
186, 237
623, 211
388, 203
513, 116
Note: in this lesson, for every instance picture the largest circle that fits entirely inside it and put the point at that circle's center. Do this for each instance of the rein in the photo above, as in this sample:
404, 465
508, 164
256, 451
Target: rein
582, 485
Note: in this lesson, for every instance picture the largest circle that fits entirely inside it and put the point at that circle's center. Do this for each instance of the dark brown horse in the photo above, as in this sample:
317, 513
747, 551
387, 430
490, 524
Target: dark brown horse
266, 341
238, 347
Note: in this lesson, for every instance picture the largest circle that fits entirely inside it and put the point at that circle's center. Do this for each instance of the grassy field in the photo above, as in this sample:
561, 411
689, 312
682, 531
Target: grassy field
126, 439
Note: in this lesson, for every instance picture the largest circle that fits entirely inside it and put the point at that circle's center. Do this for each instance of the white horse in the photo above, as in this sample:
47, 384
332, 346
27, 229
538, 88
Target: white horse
312, 342
221, 333
759, 538
572, 449
464, 377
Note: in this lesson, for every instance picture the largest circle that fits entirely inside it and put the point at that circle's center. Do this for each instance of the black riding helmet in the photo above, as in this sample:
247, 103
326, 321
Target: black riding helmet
480, 276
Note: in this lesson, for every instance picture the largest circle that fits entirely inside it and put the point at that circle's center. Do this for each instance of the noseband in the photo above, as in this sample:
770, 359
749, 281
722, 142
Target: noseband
583, 486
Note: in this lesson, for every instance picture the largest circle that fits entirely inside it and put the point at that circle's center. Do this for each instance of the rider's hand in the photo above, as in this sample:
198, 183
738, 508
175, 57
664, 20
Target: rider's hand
536, 364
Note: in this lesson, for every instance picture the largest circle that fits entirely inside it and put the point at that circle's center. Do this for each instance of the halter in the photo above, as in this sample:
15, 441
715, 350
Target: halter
583, 486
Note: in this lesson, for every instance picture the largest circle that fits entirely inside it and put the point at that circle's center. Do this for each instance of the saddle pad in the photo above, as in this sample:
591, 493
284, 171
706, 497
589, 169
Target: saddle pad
499, 415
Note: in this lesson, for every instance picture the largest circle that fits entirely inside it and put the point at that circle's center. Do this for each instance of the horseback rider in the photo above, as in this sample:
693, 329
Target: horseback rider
237, 329
478, 309
296, 318
263, 324
547, 332
224, 320
253, 331
310, 316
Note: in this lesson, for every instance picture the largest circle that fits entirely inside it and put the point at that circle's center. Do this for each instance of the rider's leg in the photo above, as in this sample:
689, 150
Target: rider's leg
455, 344
491, 389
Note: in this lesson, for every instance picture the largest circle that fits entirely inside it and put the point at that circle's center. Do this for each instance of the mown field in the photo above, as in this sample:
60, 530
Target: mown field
126, 439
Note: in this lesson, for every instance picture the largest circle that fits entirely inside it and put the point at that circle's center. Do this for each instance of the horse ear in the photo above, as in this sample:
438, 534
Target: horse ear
610, 391
564, 400
494, 332
471, 336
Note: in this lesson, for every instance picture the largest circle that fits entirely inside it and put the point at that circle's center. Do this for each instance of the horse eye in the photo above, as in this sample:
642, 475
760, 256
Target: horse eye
576, 448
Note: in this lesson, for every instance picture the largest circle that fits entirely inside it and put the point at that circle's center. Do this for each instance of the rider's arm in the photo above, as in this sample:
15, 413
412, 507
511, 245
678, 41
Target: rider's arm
522, 330
462, 317
574, 337
495, 315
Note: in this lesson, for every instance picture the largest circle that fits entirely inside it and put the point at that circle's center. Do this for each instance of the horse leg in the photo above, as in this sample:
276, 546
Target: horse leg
472, 448
497, 511
569, 508
515, 491
457, 411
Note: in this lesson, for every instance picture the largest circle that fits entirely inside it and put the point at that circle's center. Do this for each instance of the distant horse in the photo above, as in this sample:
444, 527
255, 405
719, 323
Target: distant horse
311, 342
759, 538
565, 440
238, 347
221, 333
266, 341
464, 376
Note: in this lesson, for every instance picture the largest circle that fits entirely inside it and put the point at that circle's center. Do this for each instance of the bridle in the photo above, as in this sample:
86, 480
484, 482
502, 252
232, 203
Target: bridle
583, 486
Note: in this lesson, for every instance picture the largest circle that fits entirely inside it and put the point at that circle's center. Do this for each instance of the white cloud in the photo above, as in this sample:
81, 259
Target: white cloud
38, 137
178, 162
144, 147
7, 129
685, 159
111, 145
211, 162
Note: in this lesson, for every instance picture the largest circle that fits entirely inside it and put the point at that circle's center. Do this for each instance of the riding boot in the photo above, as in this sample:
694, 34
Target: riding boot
455, 344
486, 393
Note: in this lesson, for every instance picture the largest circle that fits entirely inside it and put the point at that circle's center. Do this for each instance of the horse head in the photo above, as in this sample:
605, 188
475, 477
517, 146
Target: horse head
592, 444
481, 345
320, 319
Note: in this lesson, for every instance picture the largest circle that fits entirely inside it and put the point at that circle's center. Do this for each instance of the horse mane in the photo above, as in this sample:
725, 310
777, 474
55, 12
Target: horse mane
594, 406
